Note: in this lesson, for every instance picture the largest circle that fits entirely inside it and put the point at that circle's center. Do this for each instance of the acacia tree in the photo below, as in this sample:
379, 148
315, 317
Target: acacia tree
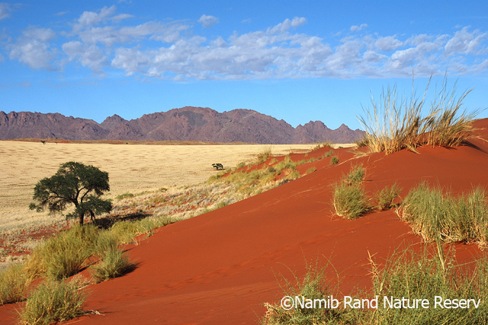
77, 184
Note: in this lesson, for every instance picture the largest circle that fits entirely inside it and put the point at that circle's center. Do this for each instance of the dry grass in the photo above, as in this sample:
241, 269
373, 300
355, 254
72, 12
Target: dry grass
132, 168
396, 122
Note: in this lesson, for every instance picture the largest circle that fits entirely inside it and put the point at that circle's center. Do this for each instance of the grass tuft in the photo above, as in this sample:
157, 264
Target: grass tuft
64, 255
14, 281
387, 196
349, 198
439, 216
312, 286
396, 123
408, 276
53, 301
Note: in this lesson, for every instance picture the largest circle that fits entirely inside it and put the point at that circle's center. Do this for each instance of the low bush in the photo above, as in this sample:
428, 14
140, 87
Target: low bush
350, 200
387, 196
64, 255
53, 301
406, 278
113, 264
312, 286
355, 176
439, 216
14, 281
349, 197
411, 277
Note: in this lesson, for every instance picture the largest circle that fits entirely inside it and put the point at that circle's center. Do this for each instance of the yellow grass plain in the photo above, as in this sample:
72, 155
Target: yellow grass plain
132, 168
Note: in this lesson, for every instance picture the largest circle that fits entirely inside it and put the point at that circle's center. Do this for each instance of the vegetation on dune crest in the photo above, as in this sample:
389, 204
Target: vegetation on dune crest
395, 123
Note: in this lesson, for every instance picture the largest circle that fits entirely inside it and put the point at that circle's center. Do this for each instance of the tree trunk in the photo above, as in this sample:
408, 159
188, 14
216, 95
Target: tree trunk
81, 218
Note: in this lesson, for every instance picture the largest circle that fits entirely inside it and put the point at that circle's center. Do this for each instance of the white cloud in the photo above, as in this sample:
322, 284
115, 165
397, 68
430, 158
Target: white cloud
357, 28
105, 40
89, 56
33, 48
465, 42
388, 43
90, 18
208, 21
288, 24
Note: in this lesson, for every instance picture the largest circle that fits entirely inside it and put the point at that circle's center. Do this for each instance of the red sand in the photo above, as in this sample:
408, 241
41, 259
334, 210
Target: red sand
219, 268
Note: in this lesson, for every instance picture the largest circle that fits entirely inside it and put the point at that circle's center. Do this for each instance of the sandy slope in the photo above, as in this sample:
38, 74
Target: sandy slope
221, 267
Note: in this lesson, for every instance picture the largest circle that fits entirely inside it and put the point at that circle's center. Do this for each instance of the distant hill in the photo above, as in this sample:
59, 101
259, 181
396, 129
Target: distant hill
181, 124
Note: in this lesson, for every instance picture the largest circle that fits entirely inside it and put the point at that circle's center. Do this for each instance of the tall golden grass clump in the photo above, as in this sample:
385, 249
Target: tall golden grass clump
395, 123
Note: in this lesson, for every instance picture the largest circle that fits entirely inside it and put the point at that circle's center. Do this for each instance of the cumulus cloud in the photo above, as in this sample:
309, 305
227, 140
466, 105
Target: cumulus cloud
388, 43
33, 48
90, 18
466, 42
357, 28
208, 21
106, 40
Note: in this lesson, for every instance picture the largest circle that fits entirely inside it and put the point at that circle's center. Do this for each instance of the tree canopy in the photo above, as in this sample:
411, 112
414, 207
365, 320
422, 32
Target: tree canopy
77, 184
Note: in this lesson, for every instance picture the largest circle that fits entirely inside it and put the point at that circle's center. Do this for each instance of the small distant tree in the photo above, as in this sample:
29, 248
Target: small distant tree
77, 184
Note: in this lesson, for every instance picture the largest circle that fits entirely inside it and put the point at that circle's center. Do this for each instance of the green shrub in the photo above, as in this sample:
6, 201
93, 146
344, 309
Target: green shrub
386, 197
334, 160
113, 264
406, 276
350, 200
53, 301
437, 216
312, 286
64, 255
14, 281
412, 277
355, 176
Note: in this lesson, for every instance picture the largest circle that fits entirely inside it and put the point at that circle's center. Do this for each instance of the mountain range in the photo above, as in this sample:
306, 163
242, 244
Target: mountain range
179, 124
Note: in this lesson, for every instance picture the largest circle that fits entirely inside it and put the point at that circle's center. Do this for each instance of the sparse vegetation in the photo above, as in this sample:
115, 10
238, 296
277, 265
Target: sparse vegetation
64, 255
113, 263
387, 196
396, 123
407, 276
436, 215
53, 301
312, 286
355, 176
349, 198
334, 160
14, 281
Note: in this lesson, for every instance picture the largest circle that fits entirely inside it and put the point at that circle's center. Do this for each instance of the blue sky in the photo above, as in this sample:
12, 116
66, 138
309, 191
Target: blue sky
294, 60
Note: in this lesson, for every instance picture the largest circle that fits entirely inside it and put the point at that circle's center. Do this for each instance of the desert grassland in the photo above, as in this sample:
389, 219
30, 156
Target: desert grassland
132, 168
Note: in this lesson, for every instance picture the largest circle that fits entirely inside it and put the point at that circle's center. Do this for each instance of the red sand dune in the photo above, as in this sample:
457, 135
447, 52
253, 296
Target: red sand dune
219, 268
